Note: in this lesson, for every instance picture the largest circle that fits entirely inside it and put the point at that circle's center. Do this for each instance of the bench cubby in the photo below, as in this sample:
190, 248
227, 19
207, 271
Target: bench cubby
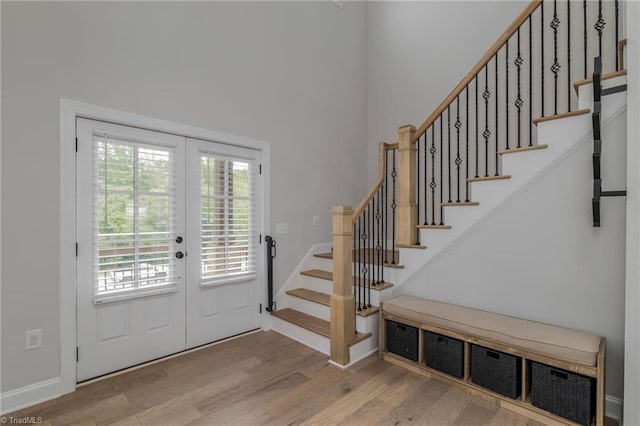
507, 350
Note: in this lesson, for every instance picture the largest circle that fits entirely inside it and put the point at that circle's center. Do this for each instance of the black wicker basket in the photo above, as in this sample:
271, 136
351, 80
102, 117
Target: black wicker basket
563, 393
496, 371
402, 340
444, 354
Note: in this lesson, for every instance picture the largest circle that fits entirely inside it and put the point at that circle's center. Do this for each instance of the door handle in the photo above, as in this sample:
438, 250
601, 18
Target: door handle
179, 255
178, 239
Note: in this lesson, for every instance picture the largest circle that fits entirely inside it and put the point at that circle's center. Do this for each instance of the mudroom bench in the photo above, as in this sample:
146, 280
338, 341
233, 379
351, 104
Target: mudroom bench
552, 374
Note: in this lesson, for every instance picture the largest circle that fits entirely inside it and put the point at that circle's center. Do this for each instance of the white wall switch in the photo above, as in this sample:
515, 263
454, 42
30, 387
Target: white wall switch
316, 221
282, 228
33, 339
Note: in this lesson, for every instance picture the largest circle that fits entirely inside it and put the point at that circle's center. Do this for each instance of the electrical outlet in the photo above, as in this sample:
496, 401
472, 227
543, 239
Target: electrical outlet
33, 339
316, 221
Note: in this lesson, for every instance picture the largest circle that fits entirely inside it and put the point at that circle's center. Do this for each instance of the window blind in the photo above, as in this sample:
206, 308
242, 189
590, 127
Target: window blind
228, 221
134, 221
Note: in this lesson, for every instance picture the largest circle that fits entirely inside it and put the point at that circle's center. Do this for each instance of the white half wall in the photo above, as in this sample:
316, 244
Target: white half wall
540, 258
417, 52
288, 73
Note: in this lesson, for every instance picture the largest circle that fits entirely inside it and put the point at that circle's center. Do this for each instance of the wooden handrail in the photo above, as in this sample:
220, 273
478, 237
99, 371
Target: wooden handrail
522, 17
382, 161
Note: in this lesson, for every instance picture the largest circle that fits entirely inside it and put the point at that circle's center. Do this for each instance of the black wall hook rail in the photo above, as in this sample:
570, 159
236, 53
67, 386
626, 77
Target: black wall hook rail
271, 254
598, 92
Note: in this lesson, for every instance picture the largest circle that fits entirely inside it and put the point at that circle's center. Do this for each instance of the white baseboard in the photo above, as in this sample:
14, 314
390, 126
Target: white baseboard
30, 395
613, 407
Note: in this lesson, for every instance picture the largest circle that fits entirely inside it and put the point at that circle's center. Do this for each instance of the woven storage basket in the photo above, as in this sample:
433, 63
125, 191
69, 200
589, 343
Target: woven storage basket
444, 354
563, 393
402, 340
496, 371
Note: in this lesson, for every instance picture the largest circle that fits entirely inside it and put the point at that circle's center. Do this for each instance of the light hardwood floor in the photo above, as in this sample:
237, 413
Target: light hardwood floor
265, 378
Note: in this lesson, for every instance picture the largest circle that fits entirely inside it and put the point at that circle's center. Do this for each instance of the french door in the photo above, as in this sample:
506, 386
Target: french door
167, 230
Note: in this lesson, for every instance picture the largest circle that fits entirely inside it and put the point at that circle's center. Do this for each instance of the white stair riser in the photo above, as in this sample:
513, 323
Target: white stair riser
302, 335
367, 324
585, 92
364, 348
308, 307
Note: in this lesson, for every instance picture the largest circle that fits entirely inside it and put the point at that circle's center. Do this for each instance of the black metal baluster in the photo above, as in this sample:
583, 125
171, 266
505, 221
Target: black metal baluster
555, 67
617, 7
518, 103
418, 183
466, 163
486, 95
496, 117
441, 173
458, 160
584, 20
568, 55
378, 245
372, 250
530, 122
477, 152
393, 209
599, 27
367, 258
449, 150
358, 255
542, 59
506, 95
433, 174
426, 204
356, 239
385, 211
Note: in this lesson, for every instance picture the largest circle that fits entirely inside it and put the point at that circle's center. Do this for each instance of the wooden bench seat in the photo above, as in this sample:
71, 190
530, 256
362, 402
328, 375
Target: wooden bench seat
576, 351
556, 342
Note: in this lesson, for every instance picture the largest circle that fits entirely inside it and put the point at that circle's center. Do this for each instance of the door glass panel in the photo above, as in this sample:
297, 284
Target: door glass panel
227, 218
134, 216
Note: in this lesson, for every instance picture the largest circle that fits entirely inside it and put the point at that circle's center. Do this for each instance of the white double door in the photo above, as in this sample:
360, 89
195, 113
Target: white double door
167, 231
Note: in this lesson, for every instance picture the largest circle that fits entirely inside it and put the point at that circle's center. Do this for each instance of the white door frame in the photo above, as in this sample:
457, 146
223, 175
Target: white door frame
69, 111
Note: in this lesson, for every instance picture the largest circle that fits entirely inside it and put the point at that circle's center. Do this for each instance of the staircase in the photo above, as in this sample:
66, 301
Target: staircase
498, 132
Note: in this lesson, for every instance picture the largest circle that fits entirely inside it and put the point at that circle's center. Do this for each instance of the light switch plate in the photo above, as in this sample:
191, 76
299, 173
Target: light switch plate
282, 228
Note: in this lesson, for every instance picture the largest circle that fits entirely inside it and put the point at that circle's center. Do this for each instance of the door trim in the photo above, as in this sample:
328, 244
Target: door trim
69, 111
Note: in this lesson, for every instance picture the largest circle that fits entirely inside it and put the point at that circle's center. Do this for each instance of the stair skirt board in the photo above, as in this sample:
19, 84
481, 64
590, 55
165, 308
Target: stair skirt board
465, 221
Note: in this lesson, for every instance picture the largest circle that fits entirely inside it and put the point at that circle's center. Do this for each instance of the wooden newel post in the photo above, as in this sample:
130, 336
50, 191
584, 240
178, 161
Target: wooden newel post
407, 219
343, 305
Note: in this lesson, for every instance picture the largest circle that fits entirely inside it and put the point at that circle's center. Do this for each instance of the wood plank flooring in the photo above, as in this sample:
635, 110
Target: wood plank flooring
265, 378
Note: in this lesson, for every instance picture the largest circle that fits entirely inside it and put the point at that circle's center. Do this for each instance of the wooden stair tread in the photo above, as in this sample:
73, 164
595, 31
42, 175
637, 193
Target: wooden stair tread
434, 226
605, 76
366, 253
309, 322
314, 324
411, 246
325, 299
463, 203
559, 116
311, 295
522, 149
487, 178
328, 255
318, 273
327, 275
368, 311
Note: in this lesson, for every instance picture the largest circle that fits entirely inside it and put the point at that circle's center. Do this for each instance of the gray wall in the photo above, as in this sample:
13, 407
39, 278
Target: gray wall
292, 74
540, 257
417, 52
